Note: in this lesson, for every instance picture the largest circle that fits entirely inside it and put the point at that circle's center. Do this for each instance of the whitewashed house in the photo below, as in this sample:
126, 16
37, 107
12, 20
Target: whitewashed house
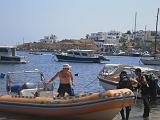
49, 39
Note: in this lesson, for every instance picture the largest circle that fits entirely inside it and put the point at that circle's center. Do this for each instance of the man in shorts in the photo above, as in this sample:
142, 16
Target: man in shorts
66, 77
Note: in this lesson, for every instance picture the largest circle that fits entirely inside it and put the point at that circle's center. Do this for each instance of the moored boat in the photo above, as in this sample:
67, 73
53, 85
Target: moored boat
101, 105
109, 75
8, 55
150, 60
84, 56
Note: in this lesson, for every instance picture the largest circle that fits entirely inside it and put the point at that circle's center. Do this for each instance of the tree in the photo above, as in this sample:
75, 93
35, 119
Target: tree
128, 32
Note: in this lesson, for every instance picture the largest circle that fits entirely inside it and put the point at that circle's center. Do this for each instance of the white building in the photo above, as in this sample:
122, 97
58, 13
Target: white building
49, 39
99, 38
106, 40
145, 38
113, 37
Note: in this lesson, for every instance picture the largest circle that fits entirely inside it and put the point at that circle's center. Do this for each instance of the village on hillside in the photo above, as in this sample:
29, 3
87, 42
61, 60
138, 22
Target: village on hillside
113, 42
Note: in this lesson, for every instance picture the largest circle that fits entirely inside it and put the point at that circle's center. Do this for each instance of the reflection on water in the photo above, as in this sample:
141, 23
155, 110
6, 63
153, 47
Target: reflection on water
86, 81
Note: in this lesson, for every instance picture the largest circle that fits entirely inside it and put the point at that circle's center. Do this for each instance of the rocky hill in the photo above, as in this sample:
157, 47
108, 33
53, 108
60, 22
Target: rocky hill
61, 45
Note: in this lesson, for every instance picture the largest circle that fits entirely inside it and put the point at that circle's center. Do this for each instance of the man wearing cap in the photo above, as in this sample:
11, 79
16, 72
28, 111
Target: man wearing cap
65, 76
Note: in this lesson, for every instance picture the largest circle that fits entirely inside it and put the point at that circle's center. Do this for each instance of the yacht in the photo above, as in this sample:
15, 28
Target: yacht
8, 55
84, 56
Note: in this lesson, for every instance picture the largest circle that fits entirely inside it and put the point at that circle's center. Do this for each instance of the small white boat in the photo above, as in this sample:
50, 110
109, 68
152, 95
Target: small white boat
84, 56
150, 60
38, 99
109, 75
8, 55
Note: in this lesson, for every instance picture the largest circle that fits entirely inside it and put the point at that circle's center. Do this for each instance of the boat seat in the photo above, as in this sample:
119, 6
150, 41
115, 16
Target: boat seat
28, 92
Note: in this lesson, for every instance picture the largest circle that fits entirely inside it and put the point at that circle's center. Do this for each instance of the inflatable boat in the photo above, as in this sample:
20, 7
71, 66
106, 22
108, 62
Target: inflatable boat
38, 101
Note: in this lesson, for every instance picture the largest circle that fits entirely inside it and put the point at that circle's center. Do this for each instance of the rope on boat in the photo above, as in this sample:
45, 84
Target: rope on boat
89, 83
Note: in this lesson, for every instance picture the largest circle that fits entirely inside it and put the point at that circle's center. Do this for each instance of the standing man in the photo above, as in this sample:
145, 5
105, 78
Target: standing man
145, 92
66, 77
125, 82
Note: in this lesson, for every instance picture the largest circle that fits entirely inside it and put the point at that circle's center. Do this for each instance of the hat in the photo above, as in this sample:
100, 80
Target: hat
123, 73
66, 66
138, 70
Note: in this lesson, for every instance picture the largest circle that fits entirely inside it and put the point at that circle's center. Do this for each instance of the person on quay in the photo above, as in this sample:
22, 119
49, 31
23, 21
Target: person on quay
66, 77
125, 82
145, 92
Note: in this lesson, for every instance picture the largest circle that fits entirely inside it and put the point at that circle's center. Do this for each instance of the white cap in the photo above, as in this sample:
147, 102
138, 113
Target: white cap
66, 66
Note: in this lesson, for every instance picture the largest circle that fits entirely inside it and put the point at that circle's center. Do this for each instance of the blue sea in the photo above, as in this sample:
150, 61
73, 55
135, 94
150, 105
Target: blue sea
86, 81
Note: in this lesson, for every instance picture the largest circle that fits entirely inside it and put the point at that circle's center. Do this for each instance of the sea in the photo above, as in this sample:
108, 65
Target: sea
85, 76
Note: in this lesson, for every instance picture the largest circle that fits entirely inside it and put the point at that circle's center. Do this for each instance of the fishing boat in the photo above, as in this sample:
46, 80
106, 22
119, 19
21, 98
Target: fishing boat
77, 55
40, 100
109, 75
135, 54
156, 59
8, 55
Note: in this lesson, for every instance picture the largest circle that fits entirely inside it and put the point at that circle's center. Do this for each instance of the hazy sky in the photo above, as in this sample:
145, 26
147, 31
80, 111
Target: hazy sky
33, 19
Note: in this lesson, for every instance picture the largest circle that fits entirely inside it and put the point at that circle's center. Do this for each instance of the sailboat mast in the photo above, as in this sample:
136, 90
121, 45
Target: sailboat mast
156, 31
135, 22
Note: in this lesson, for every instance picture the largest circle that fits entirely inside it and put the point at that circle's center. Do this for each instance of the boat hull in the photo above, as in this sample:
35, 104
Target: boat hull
101, 111
151, 61
90, 107
107, 84
12, 60
64, 58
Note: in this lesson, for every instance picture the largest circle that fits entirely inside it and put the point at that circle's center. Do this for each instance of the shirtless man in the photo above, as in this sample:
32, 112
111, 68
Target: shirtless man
65, 77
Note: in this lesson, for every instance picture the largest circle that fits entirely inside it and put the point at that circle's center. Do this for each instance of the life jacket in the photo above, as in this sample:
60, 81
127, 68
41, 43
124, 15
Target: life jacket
125, 83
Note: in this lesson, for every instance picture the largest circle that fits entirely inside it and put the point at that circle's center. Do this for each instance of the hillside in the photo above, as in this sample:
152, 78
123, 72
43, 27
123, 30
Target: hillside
60, 45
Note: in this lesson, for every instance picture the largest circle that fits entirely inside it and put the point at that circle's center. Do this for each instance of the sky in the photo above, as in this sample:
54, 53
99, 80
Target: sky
30, 20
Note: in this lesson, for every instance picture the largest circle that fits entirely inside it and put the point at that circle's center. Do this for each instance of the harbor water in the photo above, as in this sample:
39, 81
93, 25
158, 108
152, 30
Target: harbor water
86, 81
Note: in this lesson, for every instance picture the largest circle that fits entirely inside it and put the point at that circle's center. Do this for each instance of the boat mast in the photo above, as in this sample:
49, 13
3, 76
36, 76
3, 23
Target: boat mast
144, 40
135, 25
156, 31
